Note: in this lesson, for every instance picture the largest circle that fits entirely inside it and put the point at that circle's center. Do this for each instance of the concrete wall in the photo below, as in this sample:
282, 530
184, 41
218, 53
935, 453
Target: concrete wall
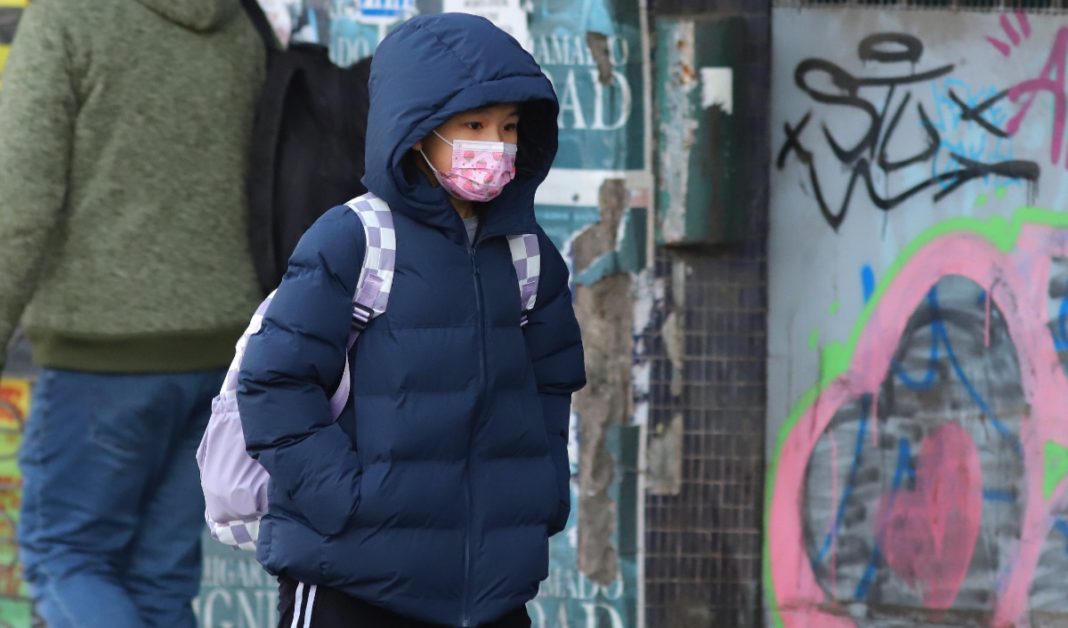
918, 303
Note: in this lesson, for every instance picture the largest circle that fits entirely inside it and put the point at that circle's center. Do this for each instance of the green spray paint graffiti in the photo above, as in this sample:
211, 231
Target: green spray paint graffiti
920, 478
14, 407
1009, 256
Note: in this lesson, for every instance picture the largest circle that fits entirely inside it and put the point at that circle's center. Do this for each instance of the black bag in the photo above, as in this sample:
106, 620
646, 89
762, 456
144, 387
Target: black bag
307, 146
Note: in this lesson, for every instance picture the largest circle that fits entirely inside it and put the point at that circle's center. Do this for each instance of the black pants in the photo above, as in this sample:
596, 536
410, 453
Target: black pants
330, 608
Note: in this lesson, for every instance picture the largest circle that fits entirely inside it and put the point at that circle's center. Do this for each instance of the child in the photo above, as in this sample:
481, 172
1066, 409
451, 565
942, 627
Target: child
431, 500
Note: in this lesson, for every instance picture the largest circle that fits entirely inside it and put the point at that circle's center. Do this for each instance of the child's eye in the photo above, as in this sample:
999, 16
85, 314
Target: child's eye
511, 127
474, 126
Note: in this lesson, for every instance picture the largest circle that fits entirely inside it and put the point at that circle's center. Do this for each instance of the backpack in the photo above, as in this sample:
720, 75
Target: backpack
235, 485
307, 145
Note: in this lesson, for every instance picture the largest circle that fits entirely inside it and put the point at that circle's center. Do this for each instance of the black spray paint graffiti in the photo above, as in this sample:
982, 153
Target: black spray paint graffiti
871, 152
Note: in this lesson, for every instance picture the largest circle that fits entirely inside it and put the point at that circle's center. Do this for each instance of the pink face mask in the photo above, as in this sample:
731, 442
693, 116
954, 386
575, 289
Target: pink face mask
480, 170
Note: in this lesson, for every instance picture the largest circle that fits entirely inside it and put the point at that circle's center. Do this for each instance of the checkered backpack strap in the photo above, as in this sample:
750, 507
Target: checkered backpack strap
229, 387
526, 257
235, 485
376, 279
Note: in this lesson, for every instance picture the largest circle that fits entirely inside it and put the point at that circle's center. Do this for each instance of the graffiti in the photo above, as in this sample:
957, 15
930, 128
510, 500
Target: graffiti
928, 533
1051, 80
957, 105
945, 500
946, 409
920, 470
867, 159
14, 406
1014, 36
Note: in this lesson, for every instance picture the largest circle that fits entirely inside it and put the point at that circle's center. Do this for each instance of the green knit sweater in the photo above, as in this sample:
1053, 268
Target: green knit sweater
124, 131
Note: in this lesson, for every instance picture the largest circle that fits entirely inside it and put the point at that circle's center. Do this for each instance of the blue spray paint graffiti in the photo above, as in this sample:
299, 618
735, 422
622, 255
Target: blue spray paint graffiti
952, 98
931, 370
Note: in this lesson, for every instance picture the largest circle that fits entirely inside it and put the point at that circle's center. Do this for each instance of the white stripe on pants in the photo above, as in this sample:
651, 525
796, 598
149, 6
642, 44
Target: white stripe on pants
298, 599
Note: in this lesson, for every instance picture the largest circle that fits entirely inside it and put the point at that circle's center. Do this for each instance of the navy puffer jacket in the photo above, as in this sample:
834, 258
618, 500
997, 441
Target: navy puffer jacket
435, 493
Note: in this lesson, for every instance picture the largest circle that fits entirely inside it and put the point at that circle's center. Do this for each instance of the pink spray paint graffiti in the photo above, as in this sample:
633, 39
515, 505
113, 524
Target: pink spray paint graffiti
928, 534
1014, 32
923, 479
1050, 80
965, 530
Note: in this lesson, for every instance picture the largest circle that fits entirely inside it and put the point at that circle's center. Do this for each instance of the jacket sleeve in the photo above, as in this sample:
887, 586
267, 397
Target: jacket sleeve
293, 365
37, 111
554, 345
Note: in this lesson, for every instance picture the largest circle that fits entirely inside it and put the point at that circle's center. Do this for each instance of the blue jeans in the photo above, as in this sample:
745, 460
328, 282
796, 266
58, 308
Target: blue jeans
112, 510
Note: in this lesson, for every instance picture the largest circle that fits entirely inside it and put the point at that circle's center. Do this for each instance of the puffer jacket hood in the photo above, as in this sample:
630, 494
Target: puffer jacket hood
196, 15
432, 68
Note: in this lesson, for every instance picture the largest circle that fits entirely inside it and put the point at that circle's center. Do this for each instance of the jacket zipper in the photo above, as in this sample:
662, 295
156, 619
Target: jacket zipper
466, 619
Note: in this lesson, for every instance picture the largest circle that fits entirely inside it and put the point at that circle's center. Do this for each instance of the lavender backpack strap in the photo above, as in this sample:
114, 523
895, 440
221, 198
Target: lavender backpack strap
376, 280
526, 257
229, 387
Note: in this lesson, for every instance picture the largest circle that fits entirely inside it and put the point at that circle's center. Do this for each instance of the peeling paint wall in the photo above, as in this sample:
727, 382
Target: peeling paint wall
918, 368
678, 129
602, 307
700, 103
605, 311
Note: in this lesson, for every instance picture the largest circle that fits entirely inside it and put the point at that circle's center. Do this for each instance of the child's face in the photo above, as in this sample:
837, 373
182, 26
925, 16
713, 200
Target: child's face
495, 123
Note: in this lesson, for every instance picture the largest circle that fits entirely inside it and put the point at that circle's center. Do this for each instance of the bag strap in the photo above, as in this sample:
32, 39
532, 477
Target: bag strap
374, 284
229, 385
261, 23
369, 301
526, 257
376, 277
